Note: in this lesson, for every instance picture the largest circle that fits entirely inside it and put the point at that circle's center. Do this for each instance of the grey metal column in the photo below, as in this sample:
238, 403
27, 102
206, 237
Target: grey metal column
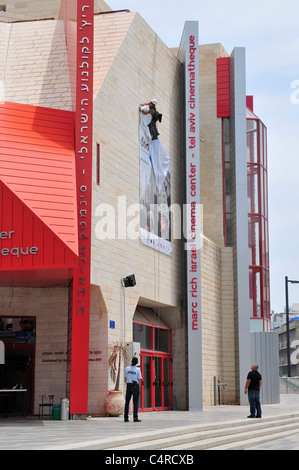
189, 56
238, 152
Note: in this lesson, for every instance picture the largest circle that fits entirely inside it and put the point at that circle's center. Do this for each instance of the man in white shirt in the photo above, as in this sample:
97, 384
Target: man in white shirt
133, 379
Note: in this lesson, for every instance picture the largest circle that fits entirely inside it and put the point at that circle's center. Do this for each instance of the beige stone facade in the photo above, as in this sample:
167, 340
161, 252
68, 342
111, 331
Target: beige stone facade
134, 75
42, 8
32, 8
132, 65
217, 261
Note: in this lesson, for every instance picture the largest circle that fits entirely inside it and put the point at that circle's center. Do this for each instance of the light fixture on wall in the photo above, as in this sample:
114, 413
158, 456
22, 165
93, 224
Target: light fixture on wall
2, 353
129, 281
287, 281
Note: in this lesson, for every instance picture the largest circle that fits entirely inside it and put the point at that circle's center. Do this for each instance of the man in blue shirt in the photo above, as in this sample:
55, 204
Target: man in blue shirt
133, 380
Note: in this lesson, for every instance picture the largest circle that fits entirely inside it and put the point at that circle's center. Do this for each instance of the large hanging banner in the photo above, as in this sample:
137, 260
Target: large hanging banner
155, 190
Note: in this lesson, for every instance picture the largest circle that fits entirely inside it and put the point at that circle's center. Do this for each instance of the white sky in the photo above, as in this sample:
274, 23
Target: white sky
269, 30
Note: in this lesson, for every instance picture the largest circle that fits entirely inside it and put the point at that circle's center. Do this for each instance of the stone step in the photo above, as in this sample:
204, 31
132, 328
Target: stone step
242, 440
209, 436
254, 442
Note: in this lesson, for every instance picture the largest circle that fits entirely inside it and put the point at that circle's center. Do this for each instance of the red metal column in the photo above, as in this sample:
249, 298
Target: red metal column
79, 366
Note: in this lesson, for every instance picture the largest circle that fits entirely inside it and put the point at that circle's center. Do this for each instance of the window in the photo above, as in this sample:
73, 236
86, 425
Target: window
143, 334
162, 340
151, 331
227, 189
17, 330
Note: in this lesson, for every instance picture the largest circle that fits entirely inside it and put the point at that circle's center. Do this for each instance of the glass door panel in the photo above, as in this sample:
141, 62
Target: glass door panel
166, 382
147, 382
158, 382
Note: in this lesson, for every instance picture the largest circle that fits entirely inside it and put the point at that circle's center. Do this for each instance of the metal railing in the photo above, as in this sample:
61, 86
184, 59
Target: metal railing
289, 385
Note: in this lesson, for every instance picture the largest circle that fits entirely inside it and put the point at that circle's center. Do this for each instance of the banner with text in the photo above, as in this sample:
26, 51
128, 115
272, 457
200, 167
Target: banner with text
189, 56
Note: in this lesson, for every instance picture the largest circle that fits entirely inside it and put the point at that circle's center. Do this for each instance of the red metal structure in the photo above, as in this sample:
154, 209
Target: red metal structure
46, 195
257, 192
258, 230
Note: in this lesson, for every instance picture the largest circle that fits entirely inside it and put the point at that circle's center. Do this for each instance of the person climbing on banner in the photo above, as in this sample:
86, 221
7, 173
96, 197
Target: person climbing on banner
150, 109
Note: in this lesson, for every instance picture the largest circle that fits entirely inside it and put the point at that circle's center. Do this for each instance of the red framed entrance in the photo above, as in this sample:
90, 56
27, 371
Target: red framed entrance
156, 392
155, 338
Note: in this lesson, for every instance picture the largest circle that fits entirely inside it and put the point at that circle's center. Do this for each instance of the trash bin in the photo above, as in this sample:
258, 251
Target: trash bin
65, 409
56, 412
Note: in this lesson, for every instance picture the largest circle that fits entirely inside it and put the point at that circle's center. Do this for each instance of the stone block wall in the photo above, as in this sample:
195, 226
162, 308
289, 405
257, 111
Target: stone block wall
217, 321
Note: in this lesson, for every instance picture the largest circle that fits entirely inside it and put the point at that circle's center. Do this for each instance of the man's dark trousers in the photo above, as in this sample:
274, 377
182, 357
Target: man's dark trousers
254, 402
132, 389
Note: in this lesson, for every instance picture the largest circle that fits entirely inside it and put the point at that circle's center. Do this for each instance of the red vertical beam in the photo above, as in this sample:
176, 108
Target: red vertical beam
83, 147
249, 102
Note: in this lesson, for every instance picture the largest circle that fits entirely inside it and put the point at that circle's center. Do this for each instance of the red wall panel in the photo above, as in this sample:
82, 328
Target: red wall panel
38, 197
27, 244
37, 162
223, 93
249, 102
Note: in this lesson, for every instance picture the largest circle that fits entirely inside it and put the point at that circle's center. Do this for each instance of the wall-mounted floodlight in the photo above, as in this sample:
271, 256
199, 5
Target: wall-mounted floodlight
129, 281
2, 353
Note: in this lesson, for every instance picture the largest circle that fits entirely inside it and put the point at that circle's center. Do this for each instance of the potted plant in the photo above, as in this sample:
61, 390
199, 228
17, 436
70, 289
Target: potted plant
114, 403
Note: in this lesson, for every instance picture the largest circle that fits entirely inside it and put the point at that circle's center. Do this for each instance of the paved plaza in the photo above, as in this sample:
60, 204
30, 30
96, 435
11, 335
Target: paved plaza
93, 433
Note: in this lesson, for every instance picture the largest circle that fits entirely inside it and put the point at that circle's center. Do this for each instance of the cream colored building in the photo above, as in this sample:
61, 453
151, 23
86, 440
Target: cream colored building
131, 66
42, 8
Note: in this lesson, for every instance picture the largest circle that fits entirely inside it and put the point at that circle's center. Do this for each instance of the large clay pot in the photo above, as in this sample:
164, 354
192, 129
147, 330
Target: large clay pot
114, 403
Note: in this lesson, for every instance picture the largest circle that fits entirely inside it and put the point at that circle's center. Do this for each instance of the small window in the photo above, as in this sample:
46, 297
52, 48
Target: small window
143, 334
2, 7
162, 340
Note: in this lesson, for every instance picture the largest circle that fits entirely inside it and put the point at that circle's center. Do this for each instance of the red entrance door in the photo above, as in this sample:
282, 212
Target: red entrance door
156, 392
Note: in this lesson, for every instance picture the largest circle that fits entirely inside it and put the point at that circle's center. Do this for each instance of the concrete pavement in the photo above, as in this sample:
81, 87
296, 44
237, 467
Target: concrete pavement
98, 433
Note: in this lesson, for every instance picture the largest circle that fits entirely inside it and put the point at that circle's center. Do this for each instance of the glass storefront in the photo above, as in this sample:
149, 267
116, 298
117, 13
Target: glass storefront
16, 374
